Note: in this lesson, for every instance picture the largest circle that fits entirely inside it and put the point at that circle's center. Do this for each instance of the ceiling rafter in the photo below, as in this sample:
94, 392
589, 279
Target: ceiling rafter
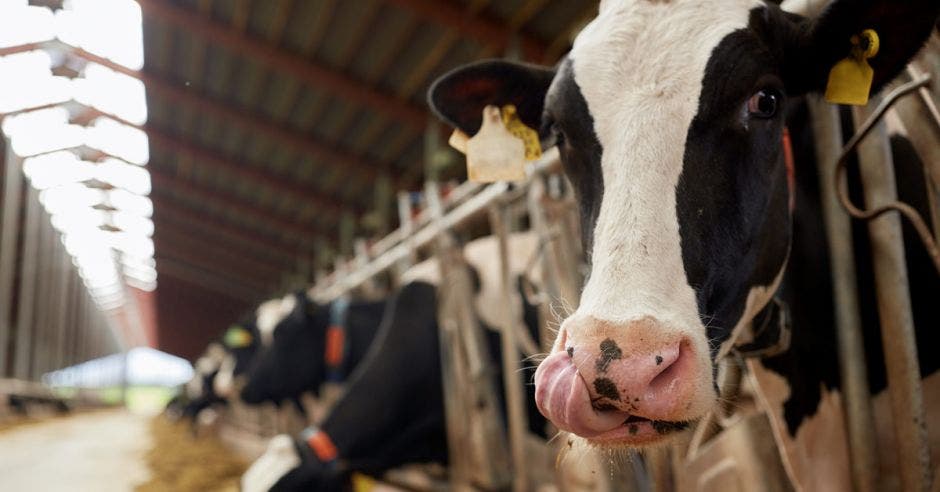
212, 211
312, 73
256, 123
483, 29
174, 212
243, 245
168, 181
210, 263
210, 281
187, 244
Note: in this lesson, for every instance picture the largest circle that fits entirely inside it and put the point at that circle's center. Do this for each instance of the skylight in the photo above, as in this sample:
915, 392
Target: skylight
92, 179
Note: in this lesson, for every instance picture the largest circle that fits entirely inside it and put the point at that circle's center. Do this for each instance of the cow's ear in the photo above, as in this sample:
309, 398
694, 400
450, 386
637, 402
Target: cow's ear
459, 96
819, 43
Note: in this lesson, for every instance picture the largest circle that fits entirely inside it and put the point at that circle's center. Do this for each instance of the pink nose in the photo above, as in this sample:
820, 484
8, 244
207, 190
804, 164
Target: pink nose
608, 375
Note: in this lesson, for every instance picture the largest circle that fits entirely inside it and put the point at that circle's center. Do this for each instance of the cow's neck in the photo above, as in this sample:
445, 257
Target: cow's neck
362, 323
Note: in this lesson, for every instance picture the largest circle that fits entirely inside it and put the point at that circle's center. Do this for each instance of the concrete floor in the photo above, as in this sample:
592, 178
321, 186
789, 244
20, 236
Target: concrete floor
100, 451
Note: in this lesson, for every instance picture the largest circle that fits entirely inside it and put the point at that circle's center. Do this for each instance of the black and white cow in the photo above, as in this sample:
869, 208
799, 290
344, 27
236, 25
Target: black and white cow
308, 344
669, 116
392, 412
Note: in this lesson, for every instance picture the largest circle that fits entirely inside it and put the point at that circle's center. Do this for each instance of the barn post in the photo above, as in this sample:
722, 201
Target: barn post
63, 280
28, 272
894, 307
515, 396
406, 226
852, 366
9, 239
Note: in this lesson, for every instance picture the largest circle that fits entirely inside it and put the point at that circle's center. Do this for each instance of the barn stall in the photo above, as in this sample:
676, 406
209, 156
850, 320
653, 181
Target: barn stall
171, 165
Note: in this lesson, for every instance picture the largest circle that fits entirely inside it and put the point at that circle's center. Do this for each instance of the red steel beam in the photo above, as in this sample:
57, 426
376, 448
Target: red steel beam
311, 73
341, 160
278, 228
210, 281
174, 211
486, 31
243, 171
210, 157
221, 258
242, 245
163, 181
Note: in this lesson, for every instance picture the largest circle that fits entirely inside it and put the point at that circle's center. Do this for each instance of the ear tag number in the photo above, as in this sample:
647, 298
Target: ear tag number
495, 154
530, 137
850, 78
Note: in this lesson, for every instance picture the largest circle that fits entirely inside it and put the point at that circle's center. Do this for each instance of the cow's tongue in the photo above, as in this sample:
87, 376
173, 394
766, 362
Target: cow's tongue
563, 398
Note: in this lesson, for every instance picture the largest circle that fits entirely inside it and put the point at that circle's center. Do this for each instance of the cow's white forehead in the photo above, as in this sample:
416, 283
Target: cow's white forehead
639, 66
270, 313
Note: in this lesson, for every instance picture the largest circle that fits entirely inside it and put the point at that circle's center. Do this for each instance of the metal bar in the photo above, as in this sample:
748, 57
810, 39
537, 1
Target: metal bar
515, 396
471, 207
25, 330
61, 308
852, 366
9, 237
39, 305
894, 309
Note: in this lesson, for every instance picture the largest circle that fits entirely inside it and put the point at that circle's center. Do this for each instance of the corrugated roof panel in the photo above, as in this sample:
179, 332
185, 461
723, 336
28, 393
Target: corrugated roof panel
426, 36
219, 62
393, 24
303, 23
556, 17
347, 20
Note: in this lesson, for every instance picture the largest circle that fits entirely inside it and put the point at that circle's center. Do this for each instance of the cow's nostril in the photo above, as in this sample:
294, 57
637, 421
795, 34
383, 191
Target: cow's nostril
670, 368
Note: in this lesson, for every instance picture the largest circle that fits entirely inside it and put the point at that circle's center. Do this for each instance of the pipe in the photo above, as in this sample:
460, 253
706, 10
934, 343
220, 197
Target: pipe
894, 309
852, 366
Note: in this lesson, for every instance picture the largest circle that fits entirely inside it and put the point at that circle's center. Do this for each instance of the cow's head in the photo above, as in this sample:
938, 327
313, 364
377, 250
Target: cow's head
241, 341
290, 360
669, 116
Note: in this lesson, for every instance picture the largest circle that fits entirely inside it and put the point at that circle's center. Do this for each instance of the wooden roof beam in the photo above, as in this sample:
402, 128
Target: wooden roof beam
314, 74
485, 30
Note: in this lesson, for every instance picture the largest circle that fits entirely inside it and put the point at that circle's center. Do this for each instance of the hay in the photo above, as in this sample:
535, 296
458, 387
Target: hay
180, 462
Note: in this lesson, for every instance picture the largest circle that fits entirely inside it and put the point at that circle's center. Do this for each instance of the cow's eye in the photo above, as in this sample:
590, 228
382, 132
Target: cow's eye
763, 104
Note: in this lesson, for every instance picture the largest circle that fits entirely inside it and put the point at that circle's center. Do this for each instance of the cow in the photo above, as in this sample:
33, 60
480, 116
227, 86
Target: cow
669, 117
308, 344
199, 391
392, 412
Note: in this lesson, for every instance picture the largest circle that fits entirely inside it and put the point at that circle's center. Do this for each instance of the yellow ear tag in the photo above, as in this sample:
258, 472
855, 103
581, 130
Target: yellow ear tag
237, 337
850, 78
495, 154
530, 137
362, 483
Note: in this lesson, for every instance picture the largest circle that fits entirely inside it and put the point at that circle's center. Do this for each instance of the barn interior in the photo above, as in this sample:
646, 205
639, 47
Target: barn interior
177, 172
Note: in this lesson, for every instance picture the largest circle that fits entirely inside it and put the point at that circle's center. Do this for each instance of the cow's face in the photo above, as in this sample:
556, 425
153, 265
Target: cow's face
290, 360
669, 119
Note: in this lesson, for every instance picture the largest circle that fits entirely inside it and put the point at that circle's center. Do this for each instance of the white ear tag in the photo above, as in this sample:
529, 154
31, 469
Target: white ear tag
495, 154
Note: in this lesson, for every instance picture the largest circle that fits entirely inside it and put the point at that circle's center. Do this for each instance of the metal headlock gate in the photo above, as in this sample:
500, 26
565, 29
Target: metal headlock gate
733, 448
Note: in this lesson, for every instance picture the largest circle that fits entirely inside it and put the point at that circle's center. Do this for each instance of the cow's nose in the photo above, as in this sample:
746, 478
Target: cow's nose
604, 373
